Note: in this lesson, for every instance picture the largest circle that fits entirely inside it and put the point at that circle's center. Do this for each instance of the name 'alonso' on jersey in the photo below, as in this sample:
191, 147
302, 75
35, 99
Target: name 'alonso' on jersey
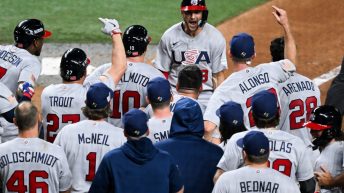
242, 85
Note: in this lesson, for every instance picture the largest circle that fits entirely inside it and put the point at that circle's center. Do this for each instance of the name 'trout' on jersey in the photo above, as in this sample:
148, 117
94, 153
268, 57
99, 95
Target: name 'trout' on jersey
242, 85
85, 143
131, 90
33, 165
298, 97
18, 65
288, 154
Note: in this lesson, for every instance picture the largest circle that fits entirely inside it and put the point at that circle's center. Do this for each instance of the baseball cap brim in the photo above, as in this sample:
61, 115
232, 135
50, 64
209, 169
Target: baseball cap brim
218, 112
194, 8
316, 126
240, 142
46, 34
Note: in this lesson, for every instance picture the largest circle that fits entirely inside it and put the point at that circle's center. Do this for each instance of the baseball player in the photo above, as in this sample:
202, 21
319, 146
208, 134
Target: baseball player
131, 90
325, 125
30, 164
334, 94
86, 142
255, 176
288, 154
245, 81
137, 166
19, 63
298, 97
61, 103
159, 97
193, 42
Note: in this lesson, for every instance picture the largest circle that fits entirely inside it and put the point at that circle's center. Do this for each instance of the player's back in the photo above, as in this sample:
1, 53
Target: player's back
13, 61
159, 128
298, 97
61, 105
131, 91
258, 180
32, 164
242, 85
85, 143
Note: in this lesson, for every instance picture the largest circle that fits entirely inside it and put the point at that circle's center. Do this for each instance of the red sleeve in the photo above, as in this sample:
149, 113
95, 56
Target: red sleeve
165, 74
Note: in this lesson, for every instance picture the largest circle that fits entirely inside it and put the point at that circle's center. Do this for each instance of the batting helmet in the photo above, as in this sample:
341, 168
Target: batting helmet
73, 64
196, 5
325, 118
135, 40
29, 30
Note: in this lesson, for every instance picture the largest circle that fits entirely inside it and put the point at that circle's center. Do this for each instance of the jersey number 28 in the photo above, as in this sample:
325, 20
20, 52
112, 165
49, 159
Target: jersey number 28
309, 104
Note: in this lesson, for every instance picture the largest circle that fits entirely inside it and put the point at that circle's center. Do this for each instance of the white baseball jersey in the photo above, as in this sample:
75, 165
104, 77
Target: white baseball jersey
298, 97
288, 154
242, 85
131, 90
207, 50
7, 102
62, 103
18, 65
159, 128
85, 143
33, 165
332, 158
259, 180
176, 97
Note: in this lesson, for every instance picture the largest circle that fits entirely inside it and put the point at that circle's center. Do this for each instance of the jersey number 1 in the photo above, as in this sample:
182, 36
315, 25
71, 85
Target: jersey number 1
92, 160
16, 182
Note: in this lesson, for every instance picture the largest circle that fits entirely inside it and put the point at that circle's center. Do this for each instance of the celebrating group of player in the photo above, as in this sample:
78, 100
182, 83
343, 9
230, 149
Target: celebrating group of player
134, 127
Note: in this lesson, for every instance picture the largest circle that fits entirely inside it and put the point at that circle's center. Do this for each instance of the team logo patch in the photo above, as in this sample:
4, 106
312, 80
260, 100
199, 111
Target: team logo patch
262, 151
194, 2
266, 114
235, 122
191, 56
159, 98
243, 54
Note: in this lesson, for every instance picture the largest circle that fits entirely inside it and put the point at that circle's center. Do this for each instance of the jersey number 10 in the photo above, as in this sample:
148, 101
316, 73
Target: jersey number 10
134, 95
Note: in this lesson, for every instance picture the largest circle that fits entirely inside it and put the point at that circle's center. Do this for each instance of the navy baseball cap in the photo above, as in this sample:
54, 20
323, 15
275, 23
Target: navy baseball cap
159, 90
242, 46
264, 105
254, 143
98, 96
187, 117
231, 113
135, 123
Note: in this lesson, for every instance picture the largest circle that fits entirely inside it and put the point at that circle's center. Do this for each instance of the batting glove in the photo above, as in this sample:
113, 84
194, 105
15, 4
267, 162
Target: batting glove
111, 26
27, 89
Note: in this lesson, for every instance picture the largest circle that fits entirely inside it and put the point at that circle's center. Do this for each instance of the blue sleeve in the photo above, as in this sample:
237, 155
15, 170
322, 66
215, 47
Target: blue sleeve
175, 178
8, 115
103, 181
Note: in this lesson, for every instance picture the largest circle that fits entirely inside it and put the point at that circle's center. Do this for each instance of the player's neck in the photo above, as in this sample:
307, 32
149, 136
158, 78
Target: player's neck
30, 133
239, 66
191, 33
190, 94
81, 81
162, 113
256, 165
136, 59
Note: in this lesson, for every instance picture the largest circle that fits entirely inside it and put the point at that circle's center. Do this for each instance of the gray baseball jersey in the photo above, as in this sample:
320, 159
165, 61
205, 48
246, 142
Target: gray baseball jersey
62, 103
332, 158
242, 85
288, 154
131, 90
33, 165
159, 128
10, 130
177, 49
85, 143
249, 179
18, 65
298, 97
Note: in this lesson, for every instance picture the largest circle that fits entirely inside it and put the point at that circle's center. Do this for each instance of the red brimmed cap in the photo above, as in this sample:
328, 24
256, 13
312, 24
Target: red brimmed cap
193, 8
316, 126
46, 34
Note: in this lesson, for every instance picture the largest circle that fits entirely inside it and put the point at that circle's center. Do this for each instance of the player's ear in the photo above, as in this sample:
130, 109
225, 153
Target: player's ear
15, 121
229, 54
147, 132
177, 86
125, 133
171, 99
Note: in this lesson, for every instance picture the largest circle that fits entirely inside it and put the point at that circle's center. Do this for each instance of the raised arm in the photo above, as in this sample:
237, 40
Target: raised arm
290, 46
118, 59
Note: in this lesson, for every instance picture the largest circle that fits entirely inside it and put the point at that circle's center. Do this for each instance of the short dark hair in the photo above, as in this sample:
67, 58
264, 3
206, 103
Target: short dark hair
160, 105
26, 114
227, 131
277, 49
257, 159
266, 123
96, 114
190, 78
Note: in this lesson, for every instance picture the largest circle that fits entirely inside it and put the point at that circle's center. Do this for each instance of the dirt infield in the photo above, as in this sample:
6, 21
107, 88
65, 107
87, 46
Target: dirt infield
316, 24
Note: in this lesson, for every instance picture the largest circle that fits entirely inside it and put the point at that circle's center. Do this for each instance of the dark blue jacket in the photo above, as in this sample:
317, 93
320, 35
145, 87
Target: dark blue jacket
137, 167
195, 157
